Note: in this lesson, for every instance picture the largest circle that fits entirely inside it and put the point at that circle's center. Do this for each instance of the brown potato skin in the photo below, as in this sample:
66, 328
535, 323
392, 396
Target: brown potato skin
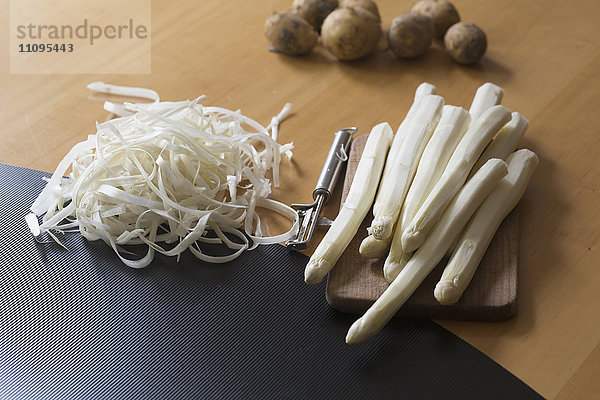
442, 14
368, 5
465, 42
410, 35
314, 11
350, 33
290, 34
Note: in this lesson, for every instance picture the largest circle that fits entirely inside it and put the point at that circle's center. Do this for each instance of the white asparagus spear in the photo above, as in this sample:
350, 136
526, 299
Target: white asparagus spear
453, 125
371, 247
426, 258
487, 95
505, 142
423, 90
464, 157
450, 130
483, 225
397, 178
357, 204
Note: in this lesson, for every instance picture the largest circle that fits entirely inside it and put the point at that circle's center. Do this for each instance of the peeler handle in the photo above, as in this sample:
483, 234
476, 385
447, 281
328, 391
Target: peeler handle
338, 154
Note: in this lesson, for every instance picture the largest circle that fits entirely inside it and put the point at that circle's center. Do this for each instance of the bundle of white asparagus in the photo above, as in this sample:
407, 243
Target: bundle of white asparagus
450, 177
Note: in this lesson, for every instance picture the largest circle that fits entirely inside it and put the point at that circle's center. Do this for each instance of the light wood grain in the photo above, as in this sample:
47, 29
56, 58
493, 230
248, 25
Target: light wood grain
546, 55
356, 282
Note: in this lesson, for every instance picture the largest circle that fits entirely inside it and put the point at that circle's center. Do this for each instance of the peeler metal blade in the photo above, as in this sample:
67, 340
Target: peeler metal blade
309, 214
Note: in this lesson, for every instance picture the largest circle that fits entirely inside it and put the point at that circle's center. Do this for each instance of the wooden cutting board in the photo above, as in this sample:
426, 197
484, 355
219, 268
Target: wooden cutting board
356, 282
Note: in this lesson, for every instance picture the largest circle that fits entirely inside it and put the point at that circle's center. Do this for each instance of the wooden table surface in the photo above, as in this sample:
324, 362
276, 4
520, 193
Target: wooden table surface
544, 53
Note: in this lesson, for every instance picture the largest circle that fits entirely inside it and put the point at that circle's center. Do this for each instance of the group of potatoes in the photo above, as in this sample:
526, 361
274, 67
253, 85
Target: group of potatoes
351, 29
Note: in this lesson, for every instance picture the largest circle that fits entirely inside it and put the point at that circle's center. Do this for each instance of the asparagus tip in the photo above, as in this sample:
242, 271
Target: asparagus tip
360, 332
412, 240
391, 269
315, 271
371, 247
381, 227
446, 292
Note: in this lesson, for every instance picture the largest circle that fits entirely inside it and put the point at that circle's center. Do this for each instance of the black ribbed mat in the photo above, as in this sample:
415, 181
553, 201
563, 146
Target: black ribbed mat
79, 324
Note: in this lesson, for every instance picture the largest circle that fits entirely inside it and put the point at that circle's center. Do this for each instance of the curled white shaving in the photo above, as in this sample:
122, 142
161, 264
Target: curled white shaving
164, 175
122, 109
341, 153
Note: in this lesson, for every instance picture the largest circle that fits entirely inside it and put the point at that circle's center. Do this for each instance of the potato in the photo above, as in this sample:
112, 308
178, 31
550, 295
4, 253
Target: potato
314, 11
410, 35
442, 14
368, 5
290, 34
350, 33
466, 43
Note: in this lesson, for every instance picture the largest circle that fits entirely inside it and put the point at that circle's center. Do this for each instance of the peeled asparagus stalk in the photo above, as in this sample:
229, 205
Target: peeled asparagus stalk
398, 177
453, 124
357, 204
505, 142
370, 246
464, 157
423, 90
399, 171
426, 258
487, 95
483, 225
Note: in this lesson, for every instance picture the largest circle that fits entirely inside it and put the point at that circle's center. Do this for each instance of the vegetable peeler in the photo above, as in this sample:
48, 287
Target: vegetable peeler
308, 214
